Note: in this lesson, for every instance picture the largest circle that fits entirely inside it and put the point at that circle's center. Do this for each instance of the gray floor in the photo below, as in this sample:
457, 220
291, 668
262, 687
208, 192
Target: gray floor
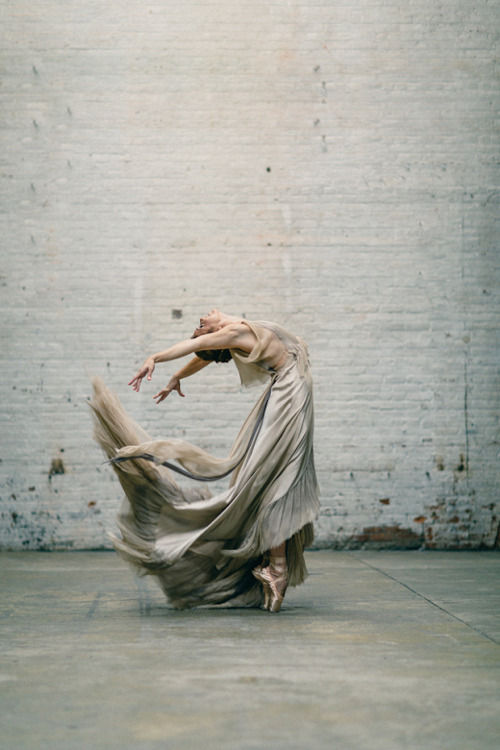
376, 650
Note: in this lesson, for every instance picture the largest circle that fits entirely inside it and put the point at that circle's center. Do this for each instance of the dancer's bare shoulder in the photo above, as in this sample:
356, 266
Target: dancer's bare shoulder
243, 336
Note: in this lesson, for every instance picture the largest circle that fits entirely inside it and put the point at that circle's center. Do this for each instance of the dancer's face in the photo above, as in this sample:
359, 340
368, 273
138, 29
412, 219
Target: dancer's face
208, 323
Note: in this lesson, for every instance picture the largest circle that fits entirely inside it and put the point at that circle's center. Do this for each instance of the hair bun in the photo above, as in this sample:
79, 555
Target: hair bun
215, 355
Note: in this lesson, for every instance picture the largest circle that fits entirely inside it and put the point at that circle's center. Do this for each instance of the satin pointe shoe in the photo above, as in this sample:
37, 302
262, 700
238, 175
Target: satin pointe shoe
278, 585
278, 581
259, 574
274, 580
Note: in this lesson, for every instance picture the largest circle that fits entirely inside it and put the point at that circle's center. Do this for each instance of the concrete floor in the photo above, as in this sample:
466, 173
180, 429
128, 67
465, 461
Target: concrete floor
377, 650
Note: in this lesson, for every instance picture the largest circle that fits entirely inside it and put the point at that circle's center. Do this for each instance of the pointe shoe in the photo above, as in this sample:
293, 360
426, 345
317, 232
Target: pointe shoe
278, 586
259, 574
274, 583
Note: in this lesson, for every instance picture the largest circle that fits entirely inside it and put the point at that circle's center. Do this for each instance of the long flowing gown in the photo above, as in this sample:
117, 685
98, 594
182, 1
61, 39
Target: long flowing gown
202, 548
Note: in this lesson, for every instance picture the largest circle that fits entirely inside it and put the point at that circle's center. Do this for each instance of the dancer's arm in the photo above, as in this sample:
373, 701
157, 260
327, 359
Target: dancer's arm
231, 336
174, 384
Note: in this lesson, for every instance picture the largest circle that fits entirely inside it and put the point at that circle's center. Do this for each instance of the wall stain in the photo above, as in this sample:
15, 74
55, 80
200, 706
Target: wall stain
56, 467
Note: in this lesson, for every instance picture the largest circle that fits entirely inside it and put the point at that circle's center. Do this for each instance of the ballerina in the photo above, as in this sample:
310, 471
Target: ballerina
244, 546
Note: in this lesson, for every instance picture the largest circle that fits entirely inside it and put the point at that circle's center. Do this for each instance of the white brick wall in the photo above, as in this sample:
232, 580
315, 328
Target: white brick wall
327, 164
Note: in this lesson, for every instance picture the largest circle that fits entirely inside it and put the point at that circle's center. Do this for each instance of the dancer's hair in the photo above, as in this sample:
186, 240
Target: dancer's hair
215, 355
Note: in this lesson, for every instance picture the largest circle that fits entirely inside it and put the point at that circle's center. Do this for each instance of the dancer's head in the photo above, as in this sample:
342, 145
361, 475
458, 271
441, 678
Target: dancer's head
209, 323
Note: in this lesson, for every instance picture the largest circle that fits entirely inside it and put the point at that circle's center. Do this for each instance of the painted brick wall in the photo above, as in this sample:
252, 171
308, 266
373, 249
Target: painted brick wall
328, 164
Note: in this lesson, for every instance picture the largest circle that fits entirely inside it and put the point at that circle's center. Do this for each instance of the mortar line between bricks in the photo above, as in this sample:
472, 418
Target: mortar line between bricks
417, 593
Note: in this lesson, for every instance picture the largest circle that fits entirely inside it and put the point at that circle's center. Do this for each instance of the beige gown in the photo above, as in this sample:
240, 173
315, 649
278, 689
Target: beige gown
202, 548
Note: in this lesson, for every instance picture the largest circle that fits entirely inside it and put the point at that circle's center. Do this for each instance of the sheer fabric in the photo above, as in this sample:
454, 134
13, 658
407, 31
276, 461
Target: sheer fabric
202, 548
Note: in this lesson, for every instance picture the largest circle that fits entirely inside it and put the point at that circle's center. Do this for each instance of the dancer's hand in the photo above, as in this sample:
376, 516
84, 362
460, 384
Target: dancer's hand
146, 370
174, 384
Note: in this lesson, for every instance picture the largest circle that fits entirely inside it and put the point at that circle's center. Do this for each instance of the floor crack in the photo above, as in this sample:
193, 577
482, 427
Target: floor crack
94, 606
417, 593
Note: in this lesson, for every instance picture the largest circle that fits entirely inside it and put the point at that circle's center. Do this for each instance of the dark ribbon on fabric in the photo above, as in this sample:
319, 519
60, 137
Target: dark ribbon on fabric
198, 477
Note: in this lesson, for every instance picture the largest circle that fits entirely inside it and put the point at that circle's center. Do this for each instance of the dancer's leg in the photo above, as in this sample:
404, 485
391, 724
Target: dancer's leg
278, 551
274, 578
279, 576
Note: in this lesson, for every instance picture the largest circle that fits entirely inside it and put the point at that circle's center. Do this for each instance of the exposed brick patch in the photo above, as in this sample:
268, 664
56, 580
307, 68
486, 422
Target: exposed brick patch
387, 537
